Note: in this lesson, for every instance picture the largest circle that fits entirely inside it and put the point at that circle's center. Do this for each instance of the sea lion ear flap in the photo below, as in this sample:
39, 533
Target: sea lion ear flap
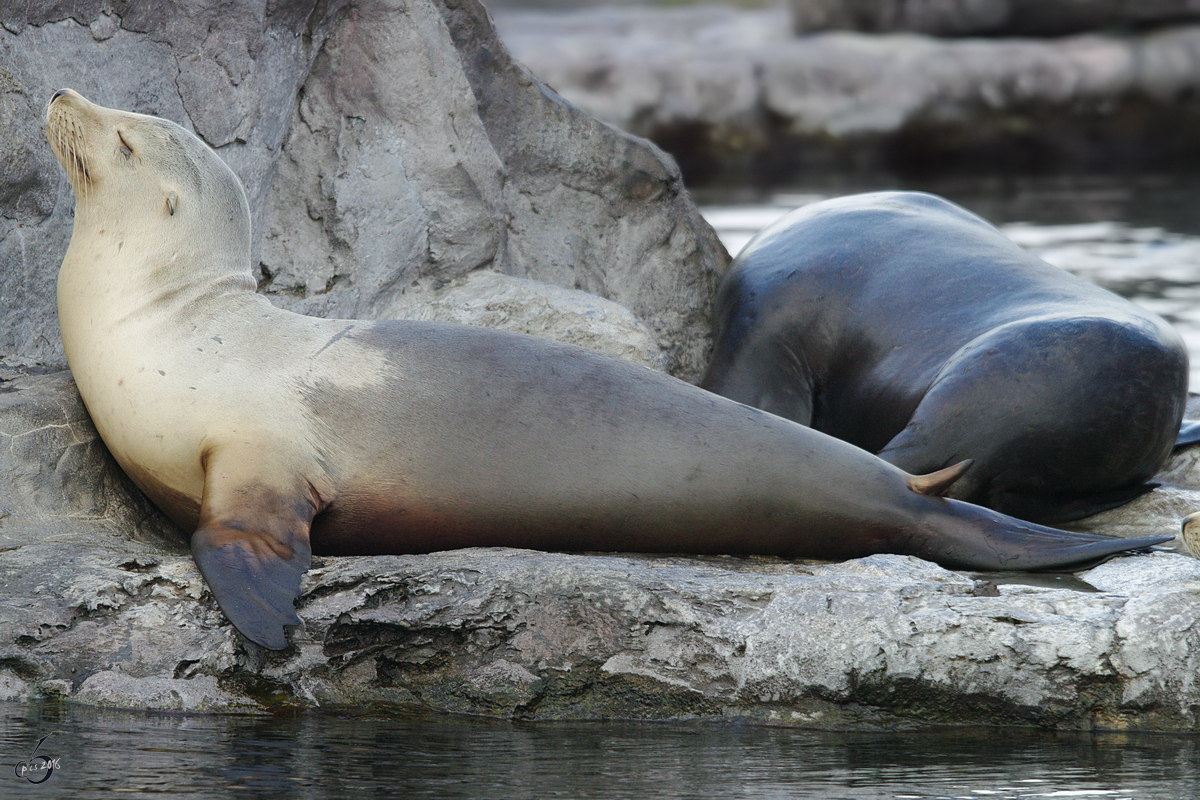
172, 201
936, 484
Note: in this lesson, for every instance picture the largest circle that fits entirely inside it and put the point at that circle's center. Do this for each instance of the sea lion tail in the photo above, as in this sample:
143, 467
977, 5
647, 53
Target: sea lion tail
977, 538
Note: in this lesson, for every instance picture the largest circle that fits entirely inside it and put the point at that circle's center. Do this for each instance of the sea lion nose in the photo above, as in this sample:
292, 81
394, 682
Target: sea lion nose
58, 94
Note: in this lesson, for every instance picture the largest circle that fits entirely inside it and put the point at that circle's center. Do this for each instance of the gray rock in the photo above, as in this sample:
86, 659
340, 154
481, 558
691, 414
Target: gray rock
642, 68
845, 84
492, 300
104, 606
986, 17
734, 96
410, 148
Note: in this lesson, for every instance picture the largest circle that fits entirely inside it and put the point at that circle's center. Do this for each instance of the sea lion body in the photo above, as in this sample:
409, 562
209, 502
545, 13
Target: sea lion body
908, 326
272, 435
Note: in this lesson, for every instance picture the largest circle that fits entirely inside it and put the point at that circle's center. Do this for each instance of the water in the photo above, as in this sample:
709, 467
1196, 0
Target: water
1136, 236
115, 754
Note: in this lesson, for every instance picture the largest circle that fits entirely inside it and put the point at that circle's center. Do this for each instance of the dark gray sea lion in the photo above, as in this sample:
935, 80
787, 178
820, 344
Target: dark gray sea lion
272, 435
902, 323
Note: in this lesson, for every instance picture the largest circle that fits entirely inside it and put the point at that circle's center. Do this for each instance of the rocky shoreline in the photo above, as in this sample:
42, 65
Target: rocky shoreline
105, 607
449, 183
736, 97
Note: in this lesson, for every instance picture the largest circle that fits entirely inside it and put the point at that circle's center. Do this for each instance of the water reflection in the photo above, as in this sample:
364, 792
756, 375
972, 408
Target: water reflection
112, 754
1138, 237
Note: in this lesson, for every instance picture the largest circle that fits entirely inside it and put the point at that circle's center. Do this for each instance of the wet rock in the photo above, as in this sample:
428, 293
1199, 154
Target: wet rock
381, 142
113, 689
985, 17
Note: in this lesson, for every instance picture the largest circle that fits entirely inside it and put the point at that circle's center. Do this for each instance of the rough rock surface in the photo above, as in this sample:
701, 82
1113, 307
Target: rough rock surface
381, 142
733, 95
987, 17
491, 300
103, 605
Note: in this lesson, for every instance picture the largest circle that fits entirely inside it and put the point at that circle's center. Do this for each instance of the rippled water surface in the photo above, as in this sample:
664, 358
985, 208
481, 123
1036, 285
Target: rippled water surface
112, 754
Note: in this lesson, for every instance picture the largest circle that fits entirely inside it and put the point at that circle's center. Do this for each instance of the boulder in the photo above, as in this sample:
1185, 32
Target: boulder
492, 300
382, 143
986, 17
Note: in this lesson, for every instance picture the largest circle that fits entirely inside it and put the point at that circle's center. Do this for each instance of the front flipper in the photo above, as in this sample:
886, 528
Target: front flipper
253, 580
252, 547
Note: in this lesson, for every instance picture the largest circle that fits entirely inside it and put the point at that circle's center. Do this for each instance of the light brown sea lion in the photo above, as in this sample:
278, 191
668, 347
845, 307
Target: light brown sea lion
272, 435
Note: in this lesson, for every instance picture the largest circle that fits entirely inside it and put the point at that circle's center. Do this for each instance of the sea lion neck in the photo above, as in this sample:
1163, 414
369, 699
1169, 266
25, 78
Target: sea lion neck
167, 273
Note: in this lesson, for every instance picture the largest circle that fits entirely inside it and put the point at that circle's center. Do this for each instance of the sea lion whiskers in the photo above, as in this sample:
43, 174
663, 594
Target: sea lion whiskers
65, 132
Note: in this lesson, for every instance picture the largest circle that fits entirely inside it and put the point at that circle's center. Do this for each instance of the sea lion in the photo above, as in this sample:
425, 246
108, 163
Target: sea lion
906, 325
269, 435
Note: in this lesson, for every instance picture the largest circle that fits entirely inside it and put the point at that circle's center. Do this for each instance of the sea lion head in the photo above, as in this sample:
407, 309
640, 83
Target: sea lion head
146, 175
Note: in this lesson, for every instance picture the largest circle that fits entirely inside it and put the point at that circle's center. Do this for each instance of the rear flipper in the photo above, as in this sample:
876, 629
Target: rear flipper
964, 536
1189, 433
1050, 414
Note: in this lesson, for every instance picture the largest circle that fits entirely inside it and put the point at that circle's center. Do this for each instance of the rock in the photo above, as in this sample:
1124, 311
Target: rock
492, 300
735, 97
113, 689
104, 606
985, 17
381, 142
1158, 512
